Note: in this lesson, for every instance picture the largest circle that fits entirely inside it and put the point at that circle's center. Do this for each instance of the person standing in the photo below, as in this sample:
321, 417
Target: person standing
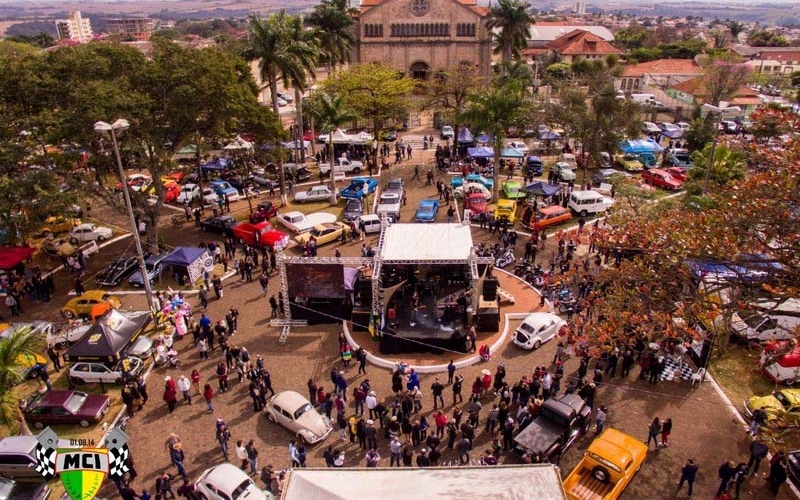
451, 370
777, 476
600, 420
688, 475
739, 475
170, 396
666, 430
241, 454
208, 395
54, 356
361, 357
457, 383
223, 438
758, 451
178, 457
252, 457
185, 387
653, 431
725, 474
437, 388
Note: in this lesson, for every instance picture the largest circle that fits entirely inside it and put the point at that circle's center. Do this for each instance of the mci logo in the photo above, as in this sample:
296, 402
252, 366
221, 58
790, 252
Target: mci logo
82, 467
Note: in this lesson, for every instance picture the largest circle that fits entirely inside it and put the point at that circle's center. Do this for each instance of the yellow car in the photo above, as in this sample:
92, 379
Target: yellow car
87, 304
506, 209
324, 233
628, 162
32, 364
781, 407
57, 224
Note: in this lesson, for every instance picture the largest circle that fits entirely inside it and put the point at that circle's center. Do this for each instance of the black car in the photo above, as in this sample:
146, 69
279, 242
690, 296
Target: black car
301, 174
793, 466
223, 224
118, 270
13, 490
353, 209
237, 181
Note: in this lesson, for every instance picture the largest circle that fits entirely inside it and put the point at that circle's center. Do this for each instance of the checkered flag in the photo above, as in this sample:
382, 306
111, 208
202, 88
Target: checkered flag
117, 458
46, 461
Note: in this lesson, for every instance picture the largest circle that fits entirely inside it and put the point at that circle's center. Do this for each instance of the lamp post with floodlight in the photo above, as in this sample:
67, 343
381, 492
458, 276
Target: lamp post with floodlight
113, 128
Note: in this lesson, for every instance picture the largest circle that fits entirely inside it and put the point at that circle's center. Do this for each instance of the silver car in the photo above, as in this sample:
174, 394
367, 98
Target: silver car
315, 193
293, 411
89, 372
228, 482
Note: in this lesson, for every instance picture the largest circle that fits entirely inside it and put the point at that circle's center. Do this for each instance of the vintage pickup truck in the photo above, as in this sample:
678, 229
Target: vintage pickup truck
607, 467
560, 422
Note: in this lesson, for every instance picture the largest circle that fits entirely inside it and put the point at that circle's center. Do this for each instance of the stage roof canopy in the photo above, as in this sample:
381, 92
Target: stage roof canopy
426, 242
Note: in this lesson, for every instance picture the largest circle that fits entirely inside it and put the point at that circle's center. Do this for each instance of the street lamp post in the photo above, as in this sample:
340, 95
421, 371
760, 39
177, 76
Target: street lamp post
112, 128
722, 110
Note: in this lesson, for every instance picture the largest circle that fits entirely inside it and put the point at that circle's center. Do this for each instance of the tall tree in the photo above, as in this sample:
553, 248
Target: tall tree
513, 21
493, 111
332, 23
722, 77
14, 351
281, 54
735, 28
307, 57
728, 165
448, 90
330, 112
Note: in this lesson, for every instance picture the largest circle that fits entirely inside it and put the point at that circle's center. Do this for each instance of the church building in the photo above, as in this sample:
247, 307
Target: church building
420, 37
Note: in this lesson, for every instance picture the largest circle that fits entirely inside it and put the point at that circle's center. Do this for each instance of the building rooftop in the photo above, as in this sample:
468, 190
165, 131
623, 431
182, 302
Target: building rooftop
664, 67
543, 32
580, 42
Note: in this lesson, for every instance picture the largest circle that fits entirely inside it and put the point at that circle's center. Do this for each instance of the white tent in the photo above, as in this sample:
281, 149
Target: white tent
239, 144
516, 482
420, 242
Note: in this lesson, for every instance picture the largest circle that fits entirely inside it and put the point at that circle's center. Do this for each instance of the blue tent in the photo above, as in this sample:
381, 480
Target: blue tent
540, 188
480, 152
673, 134
640, 146
218, 164
484, 137
549, 135
465, 136
511, 153
194, 259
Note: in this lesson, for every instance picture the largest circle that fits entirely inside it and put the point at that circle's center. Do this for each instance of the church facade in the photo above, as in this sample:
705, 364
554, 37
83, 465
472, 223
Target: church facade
419, 37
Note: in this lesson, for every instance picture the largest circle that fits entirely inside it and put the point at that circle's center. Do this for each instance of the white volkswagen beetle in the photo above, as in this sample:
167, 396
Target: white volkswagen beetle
536, 329
294, 412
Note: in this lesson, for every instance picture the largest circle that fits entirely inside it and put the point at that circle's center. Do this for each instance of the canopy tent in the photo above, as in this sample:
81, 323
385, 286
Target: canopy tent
511, 153
426, 242
216, 164
509, 482
549, 135
544, 189
480, 152
109, 336
239, 144
194, 259
635, 146
673, 133
189, 149
340, 137
11, 257
465, 136
350, 278
297, 144
484, 138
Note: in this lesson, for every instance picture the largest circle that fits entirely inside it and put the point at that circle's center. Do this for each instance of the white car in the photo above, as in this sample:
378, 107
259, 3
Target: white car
683, 126
650, 128
666, 126
58, 335
89, 372
314, 193
519, 146
472, 187
295, 221
536, 329
83, 233
228, 482
189, 192
285, 96
758, 327
209, 196
293, 411
447, 132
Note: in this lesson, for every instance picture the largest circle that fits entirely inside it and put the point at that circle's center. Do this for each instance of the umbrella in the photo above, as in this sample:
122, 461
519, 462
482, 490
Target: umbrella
464, 135
549, 135
540, 188
484, 138
511, 153
486, 372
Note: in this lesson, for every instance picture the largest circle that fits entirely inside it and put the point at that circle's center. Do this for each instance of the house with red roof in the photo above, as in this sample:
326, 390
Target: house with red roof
694, 92
659, 73
581, 44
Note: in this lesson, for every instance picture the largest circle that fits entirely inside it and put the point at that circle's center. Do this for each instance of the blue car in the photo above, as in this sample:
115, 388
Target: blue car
154, 267
485, 181
224, 188
426, 212
356, 188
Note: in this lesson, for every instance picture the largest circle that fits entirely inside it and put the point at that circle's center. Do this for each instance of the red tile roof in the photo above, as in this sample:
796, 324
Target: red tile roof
664, 67
697, 88
580, 42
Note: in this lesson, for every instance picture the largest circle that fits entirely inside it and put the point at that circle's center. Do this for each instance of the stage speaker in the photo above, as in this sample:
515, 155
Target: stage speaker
490, 289
360, 320
488, 321
365, 291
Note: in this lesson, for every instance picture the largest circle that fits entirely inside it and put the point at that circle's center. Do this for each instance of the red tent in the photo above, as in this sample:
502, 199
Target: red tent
11, 256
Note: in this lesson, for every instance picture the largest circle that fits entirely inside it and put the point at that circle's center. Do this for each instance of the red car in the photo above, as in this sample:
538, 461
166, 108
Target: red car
678, 173
247, 232
65, 407
661, 178
171, 191
264, 211
176, 176
476, 203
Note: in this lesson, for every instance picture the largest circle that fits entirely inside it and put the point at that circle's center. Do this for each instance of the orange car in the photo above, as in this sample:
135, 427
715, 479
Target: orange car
549, 216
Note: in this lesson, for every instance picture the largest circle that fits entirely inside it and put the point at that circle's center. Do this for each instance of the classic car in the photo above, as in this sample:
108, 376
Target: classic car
228, 482
89, 232
506, 209
426, 211
628, 162
549, 216
659, 178
294, 412
782, 405
480, 179
359, 187
513, 190
472, 187
223, 224
264, 211
65, 407
223, 189
82, 305
154, 269
324, 233
118, 270
90, 372
246, 232
563, 171
536, 329
314, 193
353, 209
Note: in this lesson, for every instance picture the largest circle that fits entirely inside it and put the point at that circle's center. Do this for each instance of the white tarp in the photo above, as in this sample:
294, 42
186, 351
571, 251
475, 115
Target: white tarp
239, 144
521, 482
436, 241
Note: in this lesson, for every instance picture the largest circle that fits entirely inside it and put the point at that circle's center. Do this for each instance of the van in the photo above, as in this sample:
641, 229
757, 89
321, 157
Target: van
643, 98
589, 202
371, 223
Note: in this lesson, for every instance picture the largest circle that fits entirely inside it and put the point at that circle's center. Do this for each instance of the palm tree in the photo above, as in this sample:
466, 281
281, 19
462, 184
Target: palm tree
735, 27
15, 351
307, 57
332, 22
330, 113
493, 112
281, 56
511, 17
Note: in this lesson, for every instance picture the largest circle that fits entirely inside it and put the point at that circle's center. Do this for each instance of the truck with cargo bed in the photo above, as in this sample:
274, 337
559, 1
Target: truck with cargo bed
561, 421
